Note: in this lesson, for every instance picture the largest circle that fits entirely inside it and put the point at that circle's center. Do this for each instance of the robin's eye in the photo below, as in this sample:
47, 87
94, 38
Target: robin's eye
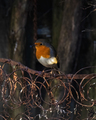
40, 43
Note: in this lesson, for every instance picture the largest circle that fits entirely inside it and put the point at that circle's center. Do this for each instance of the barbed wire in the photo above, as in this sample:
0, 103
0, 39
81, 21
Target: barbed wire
24, 87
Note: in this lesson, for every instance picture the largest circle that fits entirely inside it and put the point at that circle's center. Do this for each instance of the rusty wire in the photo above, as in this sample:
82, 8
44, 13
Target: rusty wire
17, 90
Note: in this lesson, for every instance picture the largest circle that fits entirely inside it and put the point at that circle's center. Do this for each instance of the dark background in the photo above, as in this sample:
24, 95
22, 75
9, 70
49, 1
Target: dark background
70, 26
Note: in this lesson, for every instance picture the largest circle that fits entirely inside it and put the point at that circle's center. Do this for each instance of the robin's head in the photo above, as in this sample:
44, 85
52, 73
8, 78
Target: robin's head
42, 42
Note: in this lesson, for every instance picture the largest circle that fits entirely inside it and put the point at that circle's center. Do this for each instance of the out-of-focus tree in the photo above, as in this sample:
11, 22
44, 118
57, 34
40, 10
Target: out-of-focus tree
4, 20
17, 41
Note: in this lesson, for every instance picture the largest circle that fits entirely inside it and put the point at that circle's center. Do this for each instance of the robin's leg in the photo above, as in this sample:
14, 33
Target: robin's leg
44, 70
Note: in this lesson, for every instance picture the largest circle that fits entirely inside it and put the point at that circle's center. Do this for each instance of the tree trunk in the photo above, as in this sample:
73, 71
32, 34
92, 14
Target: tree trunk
4, 20
58, 8
17, 43
69, 35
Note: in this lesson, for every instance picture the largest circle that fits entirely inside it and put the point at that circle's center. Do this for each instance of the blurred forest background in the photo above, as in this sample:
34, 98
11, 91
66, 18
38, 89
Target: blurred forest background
70, 26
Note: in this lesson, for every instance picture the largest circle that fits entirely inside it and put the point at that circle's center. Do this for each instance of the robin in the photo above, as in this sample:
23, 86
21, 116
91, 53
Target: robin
45, 53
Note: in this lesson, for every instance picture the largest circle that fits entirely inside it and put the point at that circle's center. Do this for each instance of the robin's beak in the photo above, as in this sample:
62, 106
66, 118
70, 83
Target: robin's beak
35, 44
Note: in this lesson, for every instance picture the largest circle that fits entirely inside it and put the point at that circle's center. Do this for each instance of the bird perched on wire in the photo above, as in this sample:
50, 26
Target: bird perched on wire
45, 53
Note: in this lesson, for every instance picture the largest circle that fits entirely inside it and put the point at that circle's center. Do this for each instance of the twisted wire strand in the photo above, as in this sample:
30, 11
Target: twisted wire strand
30, 94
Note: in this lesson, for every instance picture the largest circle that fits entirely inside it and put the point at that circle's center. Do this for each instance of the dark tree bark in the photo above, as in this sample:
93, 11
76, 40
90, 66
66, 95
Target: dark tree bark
4, 20
58, 8
17, 30
17, 42
69, 34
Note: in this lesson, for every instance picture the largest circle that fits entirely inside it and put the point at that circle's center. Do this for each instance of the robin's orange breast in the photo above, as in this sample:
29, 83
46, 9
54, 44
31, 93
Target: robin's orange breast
42, 51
